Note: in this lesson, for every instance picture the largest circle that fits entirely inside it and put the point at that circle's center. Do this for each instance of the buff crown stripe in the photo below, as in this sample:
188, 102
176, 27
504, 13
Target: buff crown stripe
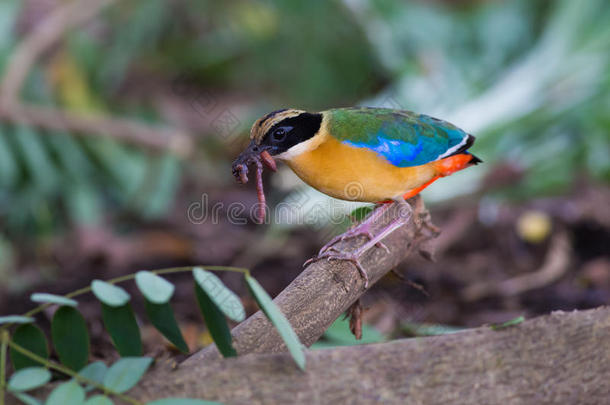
264, 124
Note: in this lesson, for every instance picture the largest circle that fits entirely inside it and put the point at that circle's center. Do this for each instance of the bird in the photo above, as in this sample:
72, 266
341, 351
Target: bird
365, 154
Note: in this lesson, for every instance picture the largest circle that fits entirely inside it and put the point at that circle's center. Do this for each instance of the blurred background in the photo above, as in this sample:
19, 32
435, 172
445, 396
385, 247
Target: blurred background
119, 122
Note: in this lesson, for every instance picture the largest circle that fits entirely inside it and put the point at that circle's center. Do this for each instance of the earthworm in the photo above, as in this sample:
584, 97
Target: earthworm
268, 160
260, 192
240, 171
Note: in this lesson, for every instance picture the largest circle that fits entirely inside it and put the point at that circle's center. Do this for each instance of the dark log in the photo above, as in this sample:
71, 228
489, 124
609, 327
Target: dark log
562, 358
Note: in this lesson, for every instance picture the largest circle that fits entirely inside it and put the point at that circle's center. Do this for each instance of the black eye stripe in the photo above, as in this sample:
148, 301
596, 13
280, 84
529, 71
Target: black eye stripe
295, 130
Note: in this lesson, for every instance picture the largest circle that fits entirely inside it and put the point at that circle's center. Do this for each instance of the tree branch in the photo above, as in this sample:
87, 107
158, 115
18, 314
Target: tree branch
560, 358
324, 290
136, 133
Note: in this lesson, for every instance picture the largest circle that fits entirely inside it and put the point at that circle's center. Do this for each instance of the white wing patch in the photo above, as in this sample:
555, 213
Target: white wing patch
454, 148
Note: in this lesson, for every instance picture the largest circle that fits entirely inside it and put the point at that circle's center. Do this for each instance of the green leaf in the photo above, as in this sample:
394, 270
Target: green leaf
427, 329
15, 319
32, 338
9, 168
126, 372
162, 318
35, 157
29, 378
68, 393
156, 289
507, 324
360, 213
277, 318
95, 372
45, 298
76, 166
99, 400
225, 299
216, 323
83, 204
70, 337
26, 399
121, 324
161, 189
182, 401
109, 294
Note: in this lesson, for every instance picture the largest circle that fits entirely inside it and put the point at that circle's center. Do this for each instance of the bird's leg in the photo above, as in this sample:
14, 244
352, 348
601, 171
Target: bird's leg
332, 253
363, 228
422, 217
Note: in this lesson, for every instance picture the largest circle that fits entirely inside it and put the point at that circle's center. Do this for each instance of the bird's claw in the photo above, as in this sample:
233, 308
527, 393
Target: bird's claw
337, 254
340, 238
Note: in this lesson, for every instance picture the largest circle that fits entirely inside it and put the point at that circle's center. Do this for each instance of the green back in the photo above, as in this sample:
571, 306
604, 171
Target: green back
404, 138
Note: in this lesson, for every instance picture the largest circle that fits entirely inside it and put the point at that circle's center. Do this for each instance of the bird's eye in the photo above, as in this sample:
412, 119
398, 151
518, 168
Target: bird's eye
280, 133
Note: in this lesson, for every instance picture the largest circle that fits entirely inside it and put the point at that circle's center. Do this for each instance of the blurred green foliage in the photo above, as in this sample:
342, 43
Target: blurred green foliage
530, 79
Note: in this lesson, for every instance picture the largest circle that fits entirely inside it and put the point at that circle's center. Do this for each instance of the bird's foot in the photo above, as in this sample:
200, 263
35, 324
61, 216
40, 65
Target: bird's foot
354, 257
334, 253
364, 228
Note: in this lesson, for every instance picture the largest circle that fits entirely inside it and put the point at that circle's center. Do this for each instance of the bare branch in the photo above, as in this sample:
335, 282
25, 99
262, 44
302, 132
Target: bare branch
556, 359
48, 118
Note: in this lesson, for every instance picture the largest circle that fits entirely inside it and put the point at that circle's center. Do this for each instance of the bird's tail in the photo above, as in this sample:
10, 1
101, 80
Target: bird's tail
445, 167
452, 164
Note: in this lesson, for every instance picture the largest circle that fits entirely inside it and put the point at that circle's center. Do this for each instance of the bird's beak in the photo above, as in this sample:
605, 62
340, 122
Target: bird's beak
252, 154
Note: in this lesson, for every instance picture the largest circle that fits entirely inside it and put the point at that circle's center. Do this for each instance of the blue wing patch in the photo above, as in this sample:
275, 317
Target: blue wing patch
399, 153
414, 144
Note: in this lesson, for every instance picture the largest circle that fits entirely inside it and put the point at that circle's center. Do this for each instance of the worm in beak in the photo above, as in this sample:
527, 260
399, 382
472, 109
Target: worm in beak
253, 155
268, 160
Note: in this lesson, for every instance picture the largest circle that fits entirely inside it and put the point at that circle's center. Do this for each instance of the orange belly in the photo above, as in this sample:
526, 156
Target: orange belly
357, 174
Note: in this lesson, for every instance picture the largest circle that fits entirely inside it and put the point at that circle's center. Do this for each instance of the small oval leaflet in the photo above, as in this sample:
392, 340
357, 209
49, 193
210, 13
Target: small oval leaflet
45, 298
30, 337
70, 337
94, 372
226, 300
156, 289
121, 325
216, 322
99, 400
16, 319
29, 378
126, 372
163, 319
277, 318
26, 399
68, 393
109, 294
